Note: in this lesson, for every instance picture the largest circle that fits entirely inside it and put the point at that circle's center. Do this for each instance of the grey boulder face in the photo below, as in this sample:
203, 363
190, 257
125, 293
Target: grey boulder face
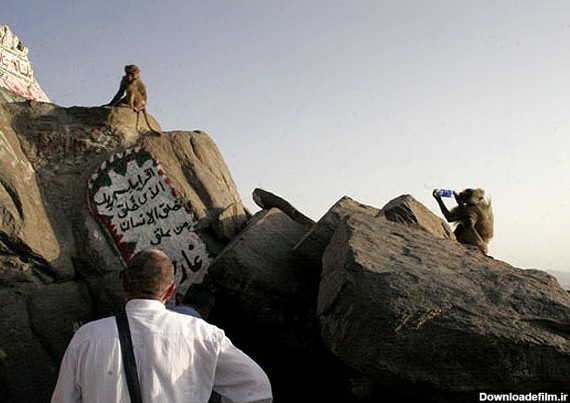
399, 306
312, 246
406, 209
266, 302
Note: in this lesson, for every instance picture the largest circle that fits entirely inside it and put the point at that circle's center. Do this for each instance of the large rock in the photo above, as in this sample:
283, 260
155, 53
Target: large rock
406, 209
199, 171
25, 226
56, 311
266, 301
411, 312
312, 246
37, 323
27, 370
267, 200
61, 148
260, 274
49, 239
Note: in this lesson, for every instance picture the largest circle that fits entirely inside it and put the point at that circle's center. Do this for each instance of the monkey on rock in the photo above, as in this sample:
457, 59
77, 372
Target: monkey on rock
136, 95
473, 216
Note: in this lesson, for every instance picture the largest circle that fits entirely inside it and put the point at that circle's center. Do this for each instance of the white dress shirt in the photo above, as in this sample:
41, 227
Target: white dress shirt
179, 359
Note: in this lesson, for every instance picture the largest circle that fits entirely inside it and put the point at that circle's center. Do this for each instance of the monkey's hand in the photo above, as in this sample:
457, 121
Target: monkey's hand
137, 107
436, 195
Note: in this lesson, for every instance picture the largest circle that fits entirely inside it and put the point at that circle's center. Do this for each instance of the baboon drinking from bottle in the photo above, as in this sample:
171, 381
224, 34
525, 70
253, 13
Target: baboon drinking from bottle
473, 216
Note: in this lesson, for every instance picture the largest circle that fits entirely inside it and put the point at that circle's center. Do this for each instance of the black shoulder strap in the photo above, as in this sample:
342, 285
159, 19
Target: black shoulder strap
129, 357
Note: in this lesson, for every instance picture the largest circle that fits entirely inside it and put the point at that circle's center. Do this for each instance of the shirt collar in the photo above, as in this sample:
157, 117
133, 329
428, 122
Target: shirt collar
152, 304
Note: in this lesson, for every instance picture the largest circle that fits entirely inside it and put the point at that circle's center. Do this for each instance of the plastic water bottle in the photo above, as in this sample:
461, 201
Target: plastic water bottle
444, 192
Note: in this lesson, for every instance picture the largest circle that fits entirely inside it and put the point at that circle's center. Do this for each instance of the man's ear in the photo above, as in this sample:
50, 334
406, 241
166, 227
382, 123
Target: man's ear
169, 292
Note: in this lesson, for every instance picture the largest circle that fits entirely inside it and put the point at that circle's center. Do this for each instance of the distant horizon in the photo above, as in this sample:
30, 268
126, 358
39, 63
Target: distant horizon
316, 100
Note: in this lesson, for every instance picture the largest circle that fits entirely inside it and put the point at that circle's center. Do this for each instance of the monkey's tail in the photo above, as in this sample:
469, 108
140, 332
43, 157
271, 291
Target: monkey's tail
148, 123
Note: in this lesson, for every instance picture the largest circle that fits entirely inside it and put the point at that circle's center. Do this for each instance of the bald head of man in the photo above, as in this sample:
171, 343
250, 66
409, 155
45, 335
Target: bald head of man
149, 275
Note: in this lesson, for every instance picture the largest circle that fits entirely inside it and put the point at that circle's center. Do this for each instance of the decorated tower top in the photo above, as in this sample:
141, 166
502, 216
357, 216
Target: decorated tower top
16, 72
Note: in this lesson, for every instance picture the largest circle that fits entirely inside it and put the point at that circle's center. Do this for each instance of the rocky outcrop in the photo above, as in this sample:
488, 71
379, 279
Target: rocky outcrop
404, 308
25, 228
58, 263
416, 314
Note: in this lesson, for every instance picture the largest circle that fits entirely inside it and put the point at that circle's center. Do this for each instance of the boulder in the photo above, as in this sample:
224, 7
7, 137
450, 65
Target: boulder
406, 209
266, 300
56, 311
260, 274
25, 227
425, 315
199, 172
312, 246
27, 370
267, 200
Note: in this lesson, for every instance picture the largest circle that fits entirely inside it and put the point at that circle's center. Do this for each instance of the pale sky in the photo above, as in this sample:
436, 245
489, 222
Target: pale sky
313, 100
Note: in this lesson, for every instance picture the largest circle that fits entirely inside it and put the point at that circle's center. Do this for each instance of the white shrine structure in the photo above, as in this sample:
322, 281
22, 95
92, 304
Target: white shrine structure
16, 72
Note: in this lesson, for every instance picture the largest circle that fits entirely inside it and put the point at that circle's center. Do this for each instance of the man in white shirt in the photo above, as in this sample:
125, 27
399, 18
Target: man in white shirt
179, 358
